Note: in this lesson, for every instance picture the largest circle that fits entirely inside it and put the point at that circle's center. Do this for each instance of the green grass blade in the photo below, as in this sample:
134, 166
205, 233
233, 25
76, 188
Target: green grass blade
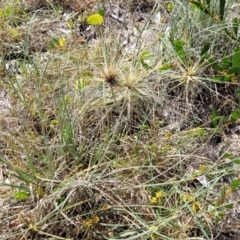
222, 9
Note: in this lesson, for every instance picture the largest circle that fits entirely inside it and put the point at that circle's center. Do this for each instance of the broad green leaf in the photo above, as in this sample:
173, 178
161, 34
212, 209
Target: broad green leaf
235, 184
236, 58
165, 67
235, 115
21, 195
67, 99
145, 55
178, 46
199, 6
235, 25
227, 78
237, 161
221, 79
229, 206
226, 62
232, 158
222, 9
205, 49
195, 4
223, 192
95, 19
214, 64
8, 11
200, 132
101, 12
228, 155
53, 43
214, 117
233, 70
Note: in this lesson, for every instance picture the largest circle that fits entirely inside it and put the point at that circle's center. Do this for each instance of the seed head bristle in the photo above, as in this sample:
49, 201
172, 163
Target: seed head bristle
110, 76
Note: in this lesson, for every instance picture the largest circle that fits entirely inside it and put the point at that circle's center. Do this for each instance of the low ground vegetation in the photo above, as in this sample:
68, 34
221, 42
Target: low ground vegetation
119, 119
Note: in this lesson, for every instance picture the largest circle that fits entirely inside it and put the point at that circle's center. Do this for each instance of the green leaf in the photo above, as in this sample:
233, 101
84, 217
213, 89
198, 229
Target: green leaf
145, 55
205, 49
236, 59
237, 161
233, 70
195, 4
221, 79
21, 195
144, 127
199, 6
214, 117
95, 19
222, 9
235, 25
178, 46
101, 12
165, 67
200, 132
223, 192
235, 116
208, 2
53, 43
8, 11
226, 62
235, 184
227, 79
214, 64
232, 158
228, 155
229, 206
67, 99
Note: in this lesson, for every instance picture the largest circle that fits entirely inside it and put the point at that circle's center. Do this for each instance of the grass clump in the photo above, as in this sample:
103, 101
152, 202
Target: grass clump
108, 135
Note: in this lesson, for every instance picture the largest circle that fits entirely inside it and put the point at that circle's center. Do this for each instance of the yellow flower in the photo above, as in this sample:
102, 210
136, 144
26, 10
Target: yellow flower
168, 134
187, 197
90, 222
202, 168
154, 200
62, 42
159, 194
195, 207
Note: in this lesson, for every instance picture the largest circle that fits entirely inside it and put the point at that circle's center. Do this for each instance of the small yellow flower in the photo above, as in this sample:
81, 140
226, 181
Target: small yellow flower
33, 227
90, 222
157, 197
202, 168
187, 197
159, 194
53, 124
105, 207
154, 200
168, 134
195, 207
62, 42
153, 228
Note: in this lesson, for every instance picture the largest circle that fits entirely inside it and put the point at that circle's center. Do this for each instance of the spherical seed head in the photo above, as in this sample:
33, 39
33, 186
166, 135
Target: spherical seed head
110, 76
